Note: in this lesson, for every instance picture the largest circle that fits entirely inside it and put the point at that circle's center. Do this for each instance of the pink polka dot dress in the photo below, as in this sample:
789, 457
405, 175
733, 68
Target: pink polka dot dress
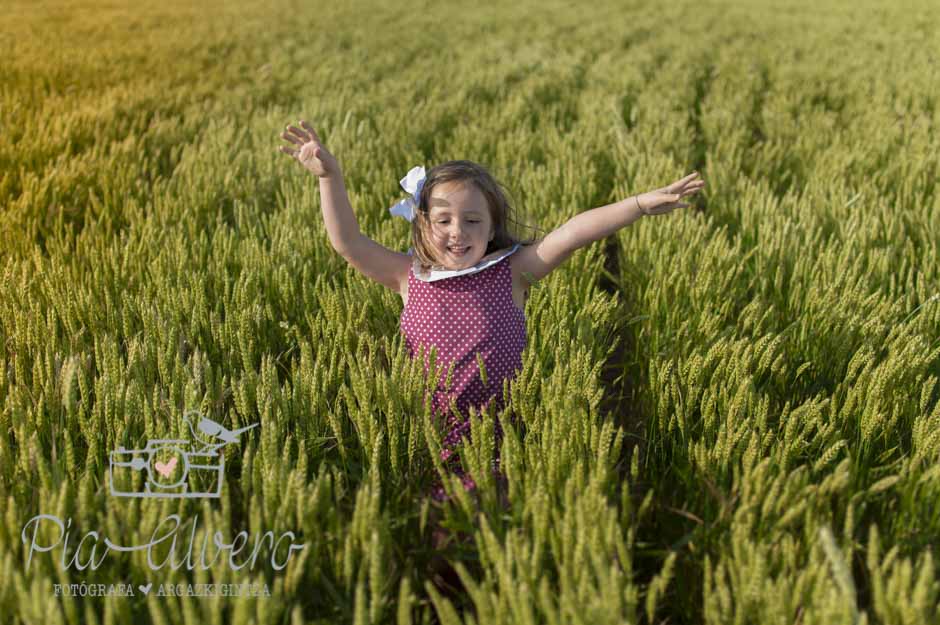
465, 315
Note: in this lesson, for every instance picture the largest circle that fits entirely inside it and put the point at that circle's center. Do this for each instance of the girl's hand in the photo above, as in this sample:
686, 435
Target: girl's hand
666, 199
309, 151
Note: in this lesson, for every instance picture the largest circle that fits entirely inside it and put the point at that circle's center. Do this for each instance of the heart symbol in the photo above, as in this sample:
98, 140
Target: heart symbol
165, 468
146, 589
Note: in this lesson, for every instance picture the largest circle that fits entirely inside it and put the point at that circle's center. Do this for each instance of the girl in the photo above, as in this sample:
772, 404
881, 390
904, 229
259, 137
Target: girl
464, 283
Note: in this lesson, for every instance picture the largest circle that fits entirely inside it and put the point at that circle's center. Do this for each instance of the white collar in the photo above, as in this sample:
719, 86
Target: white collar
440, 274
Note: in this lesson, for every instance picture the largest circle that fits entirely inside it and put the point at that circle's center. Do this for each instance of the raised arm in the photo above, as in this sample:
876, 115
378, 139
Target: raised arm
383, 265
536, 261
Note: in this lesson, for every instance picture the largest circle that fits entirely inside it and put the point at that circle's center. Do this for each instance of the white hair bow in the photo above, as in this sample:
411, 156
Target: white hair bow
411, 183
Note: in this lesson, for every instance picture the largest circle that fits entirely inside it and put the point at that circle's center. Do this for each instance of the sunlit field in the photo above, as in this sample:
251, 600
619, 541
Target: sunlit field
727, 414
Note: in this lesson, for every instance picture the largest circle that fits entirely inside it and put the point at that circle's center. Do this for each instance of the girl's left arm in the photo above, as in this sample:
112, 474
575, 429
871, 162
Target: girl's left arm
538, 260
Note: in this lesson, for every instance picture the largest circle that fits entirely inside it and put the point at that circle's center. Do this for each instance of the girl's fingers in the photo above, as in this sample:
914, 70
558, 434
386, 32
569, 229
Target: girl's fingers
310, 129
686, 182
288, 151
292, 138
693, 187
299, 133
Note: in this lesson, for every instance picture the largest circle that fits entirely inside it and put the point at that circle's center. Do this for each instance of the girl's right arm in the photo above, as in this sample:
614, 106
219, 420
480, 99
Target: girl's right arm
383, 265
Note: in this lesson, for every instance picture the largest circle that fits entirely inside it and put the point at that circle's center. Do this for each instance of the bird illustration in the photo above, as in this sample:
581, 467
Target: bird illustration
216, 430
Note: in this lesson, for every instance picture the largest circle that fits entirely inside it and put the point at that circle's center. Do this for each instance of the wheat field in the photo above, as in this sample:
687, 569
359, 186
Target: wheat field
728, 414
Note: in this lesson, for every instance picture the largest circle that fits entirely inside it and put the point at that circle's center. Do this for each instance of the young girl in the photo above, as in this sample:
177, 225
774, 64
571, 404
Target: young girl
464, 283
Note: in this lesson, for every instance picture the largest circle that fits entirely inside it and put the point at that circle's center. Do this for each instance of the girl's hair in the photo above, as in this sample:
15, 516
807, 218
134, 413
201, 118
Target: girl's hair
497, 200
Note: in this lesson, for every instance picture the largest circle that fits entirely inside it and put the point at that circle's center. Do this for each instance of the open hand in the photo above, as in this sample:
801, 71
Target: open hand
666, 199
309, 151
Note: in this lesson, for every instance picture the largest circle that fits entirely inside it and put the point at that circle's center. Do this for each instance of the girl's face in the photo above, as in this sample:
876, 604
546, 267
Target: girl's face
461, 225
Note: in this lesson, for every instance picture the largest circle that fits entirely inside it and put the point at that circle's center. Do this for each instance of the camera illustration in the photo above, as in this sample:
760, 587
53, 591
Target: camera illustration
175, 468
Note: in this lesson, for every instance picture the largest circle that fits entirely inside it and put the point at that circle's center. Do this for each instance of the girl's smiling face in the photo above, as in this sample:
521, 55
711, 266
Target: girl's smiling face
461, 225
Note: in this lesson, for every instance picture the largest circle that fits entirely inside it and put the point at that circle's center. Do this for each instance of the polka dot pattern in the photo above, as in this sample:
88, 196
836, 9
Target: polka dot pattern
463, 316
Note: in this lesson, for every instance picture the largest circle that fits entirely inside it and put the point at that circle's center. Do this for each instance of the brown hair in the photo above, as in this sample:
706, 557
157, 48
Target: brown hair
497, 200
